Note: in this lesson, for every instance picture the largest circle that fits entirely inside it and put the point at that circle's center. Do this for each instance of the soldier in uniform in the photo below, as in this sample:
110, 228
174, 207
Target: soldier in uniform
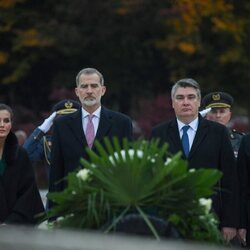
221, 104
38, 144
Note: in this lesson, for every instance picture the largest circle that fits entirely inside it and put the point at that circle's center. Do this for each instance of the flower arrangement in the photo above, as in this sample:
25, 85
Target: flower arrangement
135, 176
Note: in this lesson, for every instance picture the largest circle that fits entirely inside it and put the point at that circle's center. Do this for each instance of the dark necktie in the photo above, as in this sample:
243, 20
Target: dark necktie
90, 131
185, 140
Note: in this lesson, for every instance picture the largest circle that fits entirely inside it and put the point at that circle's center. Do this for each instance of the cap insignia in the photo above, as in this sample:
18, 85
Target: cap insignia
216, 97
68, 105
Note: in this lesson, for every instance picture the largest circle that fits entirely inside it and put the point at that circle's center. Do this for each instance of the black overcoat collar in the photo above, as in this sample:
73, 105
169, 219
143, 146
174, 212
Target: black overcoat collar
75, 124
201, 133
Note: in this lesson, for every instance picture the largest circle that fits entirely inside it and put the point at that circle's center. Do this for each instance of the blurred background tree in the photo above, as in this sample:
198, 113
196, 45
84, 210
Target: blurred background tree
141, 46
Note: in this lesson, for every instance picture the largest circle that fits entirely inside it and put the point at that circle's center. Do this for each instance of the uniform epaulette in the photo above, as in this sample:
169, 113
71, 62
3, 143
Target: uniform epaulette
237, 132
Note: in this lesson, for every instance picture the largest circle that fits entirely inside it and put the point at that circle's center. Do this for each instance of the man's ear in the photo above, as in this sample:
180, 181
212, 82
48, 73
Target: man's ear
76, 91
103, 90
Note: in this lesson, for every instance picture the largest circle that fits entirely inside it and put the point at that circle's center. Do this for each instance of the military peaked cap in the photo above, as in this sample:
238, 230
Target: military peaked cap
66, 106
217, 100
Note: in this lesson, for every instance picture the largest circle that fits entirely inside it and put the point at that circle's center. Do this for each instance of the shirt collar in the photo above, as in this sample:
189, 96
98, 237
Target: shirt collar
97, 113
193, 124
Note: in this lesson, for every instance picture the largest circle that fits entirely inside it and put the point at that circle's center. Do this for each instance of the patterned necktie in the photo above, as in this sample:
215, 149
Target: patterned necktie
185, 140
90, 131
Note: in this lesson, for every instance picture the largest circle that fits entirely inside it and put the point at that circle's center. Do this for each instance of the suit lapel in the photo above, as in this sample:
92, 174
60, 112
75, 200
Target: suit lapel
201, 133
104, 124
174, 136
75, 124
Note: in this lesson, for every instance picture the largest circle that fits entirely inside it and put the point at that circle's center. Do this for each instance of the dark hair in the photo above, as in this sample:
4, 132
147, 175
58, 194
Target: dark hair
8, 108
89, 71
11, 140
186, 82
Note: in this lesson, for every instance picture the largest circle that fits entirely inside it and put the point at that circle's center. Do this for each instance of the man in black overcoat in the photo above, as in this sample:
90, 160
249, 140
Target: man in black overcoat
207, 146
243, 167
74, 132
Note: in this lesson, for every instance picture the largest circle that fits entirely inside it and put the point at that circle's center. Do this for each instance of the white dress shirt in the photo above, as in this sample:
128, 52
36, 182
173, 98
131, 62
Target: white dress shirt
191, 131
95, 119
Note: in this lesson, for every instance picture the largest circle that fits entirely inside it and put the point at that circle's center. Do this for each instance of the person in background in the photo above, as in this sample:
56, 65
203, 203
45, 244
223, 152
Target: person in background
74, 132
243, 166
221, 104
204, 144
20, 201
204, 112
21, 137
38, 144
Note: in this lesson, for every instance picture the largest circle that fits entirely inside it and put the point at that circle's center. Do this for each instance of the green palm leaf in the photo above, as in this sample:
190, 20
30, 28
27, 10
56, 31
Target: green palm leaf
136, 176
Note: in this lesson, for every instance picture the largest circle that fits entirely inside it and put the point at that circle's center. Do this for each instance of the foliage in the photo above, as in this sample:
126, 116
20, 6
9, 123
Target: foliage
24, 51
206, 41
20, 35
136, 176
143, 45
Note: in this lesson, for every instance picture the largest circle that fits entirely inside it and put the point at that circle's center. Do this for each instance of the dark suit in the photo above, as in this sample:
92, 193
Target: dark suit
69, 142
235, 138
211, 148
243, 167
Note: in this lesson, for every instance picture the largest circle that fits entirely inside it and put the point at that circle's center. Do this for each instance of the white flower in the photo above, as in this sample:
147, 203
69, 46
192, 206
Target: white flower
206, 203
83, 174
213, 220
60, 219
74, 192
69, 215
168, 160
191, 170
152, 160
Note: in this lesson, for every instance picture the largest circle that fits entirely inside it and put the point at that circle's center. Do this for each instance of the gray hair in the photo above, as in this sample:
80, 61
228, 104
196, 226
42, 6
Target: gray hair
8, 108
186, 82
89, 71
